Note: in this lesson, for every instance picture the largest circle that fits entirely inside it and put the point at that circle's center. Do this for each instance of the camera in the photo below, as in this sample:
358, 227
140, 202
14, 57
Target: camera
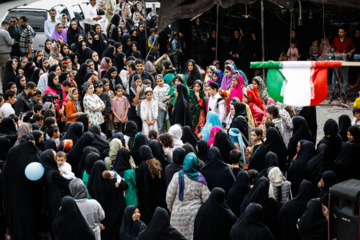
50, 98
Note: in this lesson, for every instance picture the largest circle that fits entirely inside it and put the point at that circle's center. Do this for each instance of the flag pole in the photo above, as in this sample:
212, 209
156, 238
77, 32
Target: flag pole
262, 36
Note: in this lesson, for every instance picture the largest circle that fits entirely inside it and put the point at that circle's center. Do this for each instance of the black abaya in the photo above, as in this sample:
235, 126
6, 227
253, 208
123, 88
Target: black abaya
301, 132
329, 178
130, 229
297, 171
122, 161
309, 113
9, 74
216, 172
214, 218
151, 190
99, 143
291, 211
84, 154
56, 186
271, 160
189, 136
69, 223
315, 165
181, 111
273, 143
111, 199
139, 140
240, 123
333, 142
202, 150
260, 194
347, 164
238, 192
223, 142
84, 119
74, 155
344, 124
22, 197
159, 228
312, 224
178, 160
191, 76
251, 225
158, 153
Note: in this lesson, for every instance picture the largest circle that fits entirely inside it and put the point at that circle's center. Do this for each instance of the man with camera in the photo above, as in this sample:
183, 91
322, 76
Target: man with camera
25, 102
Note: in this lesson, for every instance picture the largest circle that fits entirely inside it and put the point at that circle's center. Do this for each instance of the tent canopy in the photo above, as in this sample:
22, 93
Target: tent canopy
170, 11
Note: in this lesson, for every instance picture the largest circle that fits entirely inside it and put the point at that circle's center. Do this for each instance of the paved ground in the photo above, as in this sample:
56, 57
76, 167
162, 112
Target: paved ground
323, 113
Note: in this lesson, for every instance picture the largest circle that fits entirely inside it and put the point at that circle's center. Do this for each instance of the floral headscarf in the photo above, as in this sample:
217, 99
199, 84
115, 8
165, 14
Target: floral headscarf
262, 89
76, 102
54, 52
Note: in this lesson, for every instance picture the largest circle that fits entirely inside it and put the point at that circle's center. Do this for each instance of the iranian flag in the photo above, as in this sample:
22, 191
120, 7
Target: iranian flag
297, 83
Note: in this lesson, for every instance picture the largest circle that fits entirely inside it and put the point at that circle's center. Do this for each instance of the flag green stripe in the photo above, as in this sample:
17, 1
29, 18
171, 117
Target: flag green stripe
275, 81
268, 64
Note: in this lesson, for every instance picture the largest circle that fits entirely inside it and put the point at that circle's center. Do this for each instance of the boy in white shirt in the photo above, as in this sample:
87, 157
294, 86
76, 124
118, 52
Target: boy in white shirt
63, 166
7, 109
160, 94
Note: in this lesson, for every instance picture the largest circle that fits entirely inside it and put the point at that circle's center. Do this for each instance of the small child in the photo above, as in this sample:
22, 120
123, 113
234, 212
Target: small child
252, 175
293, 52
235, 160
314, 50
356, 119
63, 166
149, 112
161, 92
120, 108
357, 102
147, 83
153, 42
166, 141
111, 174
152, 134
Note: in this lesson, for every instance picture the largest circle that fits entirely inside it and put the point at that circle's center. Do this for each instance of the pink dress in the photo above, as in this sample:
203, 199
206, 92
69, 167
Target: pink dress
50, 90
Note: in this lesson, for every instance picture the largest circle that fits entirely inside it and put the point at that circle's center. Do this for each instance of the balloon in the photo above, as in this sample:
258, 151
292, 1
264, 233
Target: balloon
34, 171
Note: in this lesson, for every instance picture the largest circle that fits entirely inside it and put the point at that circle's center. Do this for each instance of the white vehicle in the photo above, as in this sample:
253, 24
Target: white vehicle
38, 12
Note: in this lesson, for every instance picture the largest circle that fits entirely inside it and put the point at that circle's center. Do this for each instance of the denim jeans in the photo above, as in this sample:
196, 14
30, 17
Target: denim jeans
344, 78
161, 121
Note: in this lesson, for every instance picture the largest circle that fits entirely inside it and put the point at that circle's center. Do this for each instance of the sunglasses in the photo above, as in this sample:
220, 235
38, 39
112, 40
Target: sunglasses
12, 21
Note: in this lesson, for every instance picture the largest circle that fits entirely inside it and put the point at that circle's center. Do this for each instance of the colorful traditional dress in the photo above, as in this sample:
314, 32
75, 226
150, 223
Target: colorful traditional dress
197, 109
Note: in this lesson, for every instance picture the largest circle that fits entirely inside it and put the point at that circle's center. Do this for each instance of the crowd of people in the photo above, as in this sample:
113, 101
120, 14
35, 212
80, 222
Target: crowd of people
135, 147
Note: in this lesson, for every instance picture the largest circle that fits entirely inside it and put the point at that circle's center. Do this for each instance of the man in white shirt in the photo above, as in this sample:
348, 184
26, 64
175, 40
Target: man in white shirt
6, 109
49, 25
91, 16
216, 102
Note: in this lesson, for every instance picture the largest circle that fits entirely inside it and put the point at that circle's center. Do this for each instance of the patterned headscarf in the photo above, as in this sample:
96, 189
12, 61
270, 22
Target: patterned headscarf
54, 52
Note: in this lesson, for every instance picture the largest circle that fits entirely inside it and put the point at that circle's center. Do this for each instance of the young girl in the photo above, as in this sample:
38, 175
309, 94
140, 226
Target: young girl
105, 64
209, 72
273, 115
197, 107
256, 137
73, 108
44, 64
149, 112
236, 89
217, 76
114, 78
250, 99
20, 83
55, 88
227, 79
111, 95
178, 79
167, 143
293, 52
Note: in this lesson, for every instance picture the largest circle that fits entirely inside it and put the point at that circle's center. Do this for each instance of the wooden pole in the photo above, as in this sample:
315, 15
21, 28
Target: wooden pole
262, 36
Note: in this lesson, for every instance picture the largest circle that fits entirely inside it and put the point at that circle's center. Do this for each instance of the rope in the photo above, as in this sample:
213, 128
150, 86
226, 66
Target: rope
217, 31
